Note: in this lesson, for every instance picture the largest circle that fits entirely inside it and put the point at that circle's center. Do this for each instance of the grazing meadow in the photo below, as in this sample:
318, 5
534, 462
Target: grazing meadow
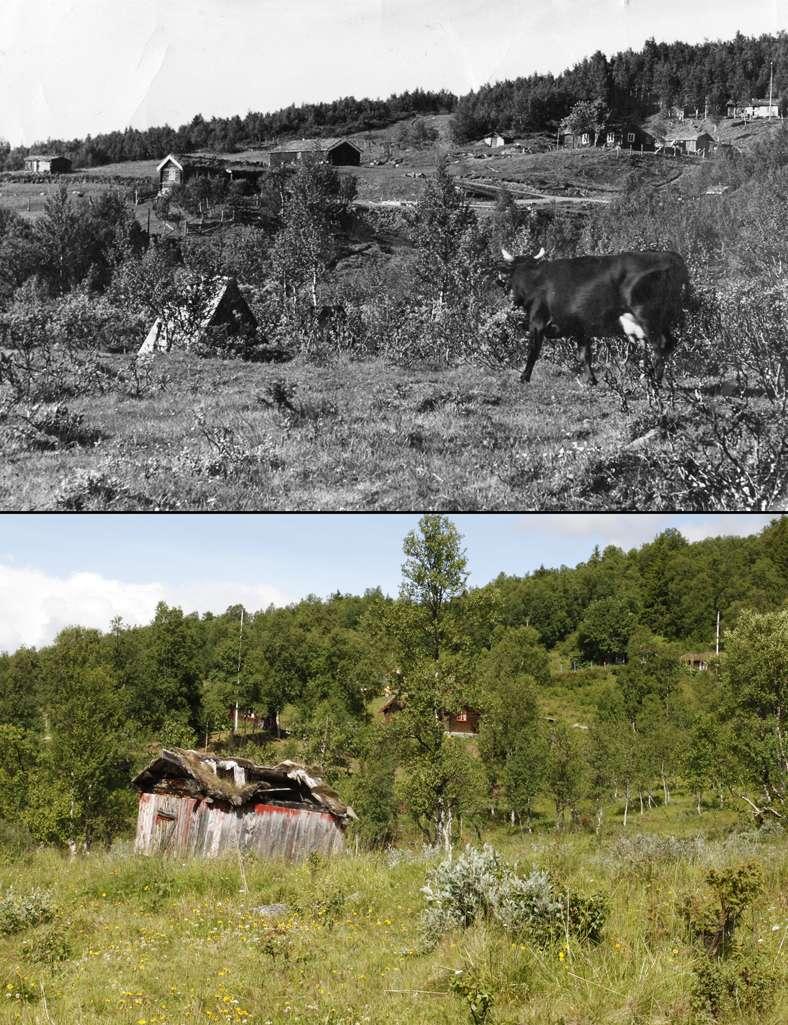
129, 939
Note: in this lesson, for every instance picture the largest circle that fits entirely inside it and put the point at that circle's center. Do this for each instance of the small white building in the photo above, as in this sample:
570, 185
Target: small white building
755, 108
496, 139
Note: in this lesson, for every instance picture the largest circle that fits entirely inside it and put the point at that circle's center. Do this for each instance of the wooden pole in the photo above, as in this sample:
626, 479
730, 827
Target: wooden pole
717, 646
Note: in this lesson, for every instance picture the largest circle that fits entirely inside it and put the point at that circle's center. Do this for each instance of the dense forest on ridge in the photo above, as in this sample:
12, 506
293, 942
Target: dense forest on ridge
633, 84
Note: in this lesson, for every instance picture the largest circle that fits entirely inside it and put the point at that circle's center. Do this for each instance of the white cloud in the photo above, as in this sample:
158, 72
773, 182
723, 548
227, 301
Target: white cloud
736, 525
34, 605
634, 529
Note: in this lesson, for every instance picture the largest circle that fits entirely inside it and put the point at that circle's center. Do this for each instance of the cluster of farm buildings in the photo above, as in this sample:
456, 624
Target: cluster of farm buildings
174, 170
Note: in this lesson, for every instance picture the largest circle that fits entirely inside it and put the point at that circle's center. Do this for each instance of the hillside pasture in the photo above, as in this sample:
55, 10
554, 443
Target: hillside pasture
330, 432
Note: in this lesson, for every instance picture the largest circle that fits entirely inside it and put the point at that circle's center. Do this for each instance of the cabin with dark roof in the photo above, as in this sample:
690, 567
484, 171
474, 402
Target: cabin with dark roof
629, 136
339, 152
691, 141
38, 163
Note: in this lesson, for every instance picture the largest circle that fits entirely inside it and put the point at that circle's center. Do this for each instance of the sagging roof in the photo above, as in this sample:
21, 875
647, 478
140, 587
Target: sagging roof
238, 782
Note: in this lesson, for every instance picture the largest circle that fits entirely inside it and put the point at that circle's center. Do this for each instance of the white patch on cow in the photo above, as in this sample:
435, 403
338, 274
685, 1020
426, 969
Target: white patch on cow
507, 255
631, 327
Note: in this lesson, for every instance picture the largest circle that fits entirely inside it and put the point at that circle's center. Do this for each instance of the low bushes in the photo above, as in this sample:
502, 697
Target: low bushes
19, 911
479, 885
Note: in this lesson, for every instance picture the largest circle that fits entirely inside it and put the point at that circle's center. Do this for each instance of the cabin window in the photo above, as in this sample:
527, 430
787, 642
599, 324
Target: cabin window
462, 717
585, 138
630, 136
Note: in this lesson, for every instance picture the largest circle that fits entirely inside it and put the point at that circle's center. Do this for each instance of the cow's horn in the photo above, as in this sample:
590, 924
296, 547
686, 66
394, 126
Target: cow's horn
507, 255
541, 254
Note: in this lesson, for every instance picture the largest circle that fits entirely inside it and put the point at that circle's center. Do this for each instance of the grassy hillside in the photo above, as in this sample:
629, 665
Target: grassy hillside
142, 941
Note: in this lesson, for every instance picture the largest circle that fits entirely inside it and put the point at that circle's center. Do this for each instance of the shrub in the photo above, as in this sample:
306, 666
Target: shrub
479, 885
713, 919
19, 911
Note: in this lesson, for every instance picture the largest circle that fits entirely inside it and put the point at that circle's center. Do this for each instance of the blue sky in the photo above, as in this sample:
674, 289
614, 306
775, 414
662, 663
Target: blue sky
59, 570
91, 66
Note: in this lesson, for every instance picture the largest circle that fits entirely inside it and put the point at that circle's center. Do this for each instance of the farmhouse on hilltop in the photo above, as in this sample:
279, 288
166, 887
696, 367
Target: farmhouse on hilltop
195, 803
340, 152
219, 304
53, 164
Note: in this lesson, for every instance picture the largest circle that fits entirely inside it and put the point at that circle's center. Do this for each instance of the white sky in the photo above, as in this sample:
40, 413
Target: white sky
87, 66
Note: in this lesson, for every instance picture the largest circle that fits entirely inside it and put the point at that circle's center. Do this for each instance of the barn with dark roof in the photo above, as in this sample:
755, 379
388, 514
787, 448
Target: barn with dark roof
340, 152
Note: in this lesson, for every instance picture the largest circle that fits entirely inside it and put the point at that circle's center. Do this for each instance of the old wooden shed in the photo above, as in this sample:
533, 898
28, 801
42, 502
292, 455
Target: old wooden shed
216, 304
200, 804
52, 164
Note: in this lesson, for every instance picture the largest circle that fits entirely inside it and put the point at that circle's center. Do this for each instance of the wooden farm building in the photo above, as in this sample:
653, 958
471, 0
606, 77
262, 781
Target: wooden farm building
195, 803
465, 721
176, 170
626, 136
219, 305
629, 136
52, 164
577, 140
690, 140
496, 139
697, 660
755, 108
340, 152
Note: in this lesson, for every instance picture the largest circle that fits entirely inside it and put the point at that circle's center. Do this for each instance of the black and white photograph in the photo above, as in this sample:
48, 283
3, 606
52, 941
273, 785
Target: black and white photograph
360, 255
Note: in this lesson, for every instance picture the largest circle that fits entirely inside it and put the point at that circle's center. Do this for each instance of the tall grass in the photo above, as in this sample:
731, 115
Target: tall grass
139, 939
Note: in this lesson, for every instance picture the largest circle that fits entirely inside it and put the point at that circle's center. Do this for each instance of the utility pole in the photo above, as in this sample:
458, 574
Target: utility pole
238, 675
717, 646
771, 80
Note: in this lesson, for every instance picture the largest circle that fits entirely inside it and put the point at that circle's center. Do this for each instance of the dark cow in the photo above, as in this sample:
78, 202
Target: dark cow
638, 295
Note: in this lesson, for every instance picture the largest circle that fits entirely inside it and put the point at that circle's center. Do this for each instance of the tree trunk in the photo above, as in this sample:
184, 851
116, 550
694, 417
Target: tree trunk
626, 806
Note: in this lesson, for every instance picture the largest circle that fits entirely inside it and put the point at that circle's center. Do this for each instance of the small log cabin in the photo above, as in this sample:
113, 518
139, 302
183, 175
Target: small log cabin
200, 804
53, 164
